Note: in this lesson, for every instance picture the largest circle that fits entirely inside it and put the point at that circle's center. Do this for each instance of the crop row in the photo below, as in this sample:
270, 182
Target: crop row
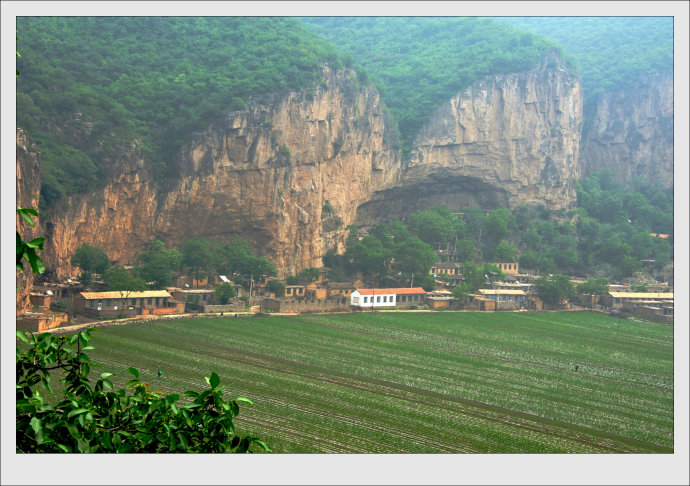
403, 382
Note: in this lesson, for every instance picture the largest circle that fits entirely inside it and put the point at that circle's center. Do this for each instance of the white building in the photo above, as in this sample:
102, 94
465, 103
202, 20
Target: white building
386, 297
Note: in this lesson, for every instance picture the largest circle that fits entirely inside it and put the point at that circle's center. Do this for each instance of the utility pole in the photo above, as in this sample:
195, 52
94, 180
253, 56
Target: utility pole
412, 280
373, 292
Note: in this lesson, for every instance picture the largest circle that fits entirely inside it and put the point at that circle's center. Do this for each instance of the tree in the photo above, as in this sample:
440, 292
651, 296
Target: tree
90, 259
368, 256
158, 264
432, 227
224, 291
93, 417
413, 256
337, 275
308, 275
554, 289
462, 292
464, 250
427, 282
504, 252
276, 287
197, 257
120, 279
598, 286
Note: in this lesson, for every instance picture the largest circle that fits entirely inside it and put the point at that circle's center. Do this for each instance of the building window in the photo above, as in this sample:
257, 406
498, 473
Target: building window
107, 302
378, 299
355, 300
91, 303
150, 301
366, 300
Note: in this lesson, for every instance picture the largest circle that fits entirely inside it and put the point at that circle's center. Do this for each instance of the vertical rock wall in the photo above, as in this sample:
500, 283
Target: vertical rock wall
504, 141
632, 133
28, 191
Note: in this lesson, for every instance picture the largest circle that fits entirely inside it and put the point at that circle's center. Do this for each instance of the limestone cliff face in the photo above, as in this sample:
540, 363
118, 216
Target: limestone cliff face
508, 140
119, 218
632, 133
28, 191
264, 174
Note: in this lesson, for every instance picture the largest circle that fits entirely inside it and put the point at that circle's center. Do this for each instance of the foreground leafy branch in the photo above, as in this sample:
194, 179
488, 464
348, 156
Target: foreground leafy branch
98, 418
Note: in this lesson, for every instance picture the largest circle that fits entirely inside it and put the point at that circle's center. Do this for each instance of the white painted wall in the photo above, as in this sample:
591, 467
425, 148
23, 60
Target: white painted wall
357, 300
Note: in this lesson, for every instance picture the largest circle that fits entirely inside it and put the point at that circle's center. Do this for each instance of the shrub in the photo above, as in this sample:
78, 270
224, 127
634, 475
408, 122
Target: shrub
97, 418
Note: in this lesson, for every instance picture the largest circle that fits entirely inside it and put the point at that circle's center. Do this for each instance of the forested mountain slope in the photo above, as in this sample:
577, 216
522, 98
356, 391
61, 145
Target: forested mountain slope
419, 63
626, 68
89, 86
612, 53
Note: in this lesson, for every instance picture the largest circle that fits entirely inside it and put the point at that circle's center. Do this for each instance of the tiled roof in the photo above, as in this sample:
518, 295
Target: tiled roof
403, 291
501, 292
116, 294
642, 295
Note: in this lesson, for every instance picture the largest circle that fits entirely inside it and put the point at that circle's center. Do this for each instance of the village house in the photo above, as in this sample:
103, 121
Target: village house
198, 297
630, 300
124, 303
405, 297
502, 298
315, 291
294, 291
439, 299
509, 268
445, 268
339, 289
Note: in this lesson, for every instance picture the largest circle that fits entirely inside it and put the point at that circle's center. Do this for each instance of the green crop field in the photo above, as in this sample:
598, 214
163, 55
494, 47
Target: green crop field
390, 382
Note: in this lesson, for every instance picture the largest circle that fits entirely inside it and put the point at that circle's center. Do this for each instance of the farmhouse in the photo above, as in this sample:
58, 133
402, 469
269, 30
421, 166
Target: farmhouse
503, 298
124, 303
387, 297
630, 300
445, 268
294, 291
509, 268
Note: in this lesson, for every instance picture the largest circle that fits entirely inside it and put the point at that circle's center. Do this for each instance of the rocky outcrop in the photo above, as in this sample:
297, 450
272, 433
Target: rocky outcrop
504, 141
632, 133
28, 191
264, 174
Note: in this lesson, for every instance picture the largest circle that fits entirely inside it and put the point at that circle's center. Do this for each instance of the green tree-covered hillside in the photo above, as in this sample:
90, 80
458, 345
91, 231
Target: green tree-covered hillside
89, 86
611, 52
420, 62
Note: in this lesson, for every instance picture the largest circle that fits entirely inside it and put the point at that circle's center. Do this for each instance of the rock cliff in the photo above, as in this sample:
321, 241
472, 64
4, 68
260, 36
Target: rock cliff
632, 133
504, 141
28, 191
264, 174
290, 175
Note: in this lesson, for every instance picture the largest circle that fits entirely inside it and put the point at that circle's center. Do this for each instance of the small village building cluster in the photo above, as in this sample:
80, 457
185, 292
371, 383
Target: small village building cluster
53, 304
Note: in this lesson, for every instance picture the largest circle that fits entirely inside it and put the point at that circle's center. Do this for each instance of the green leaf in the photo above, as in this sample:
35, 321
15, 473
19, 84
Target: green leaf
36, 243
263, 445
106, 375
245, 400
64, 448
190, 393
172, 398
134, 372
215, 380
77, 412
22, 336
37, 425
